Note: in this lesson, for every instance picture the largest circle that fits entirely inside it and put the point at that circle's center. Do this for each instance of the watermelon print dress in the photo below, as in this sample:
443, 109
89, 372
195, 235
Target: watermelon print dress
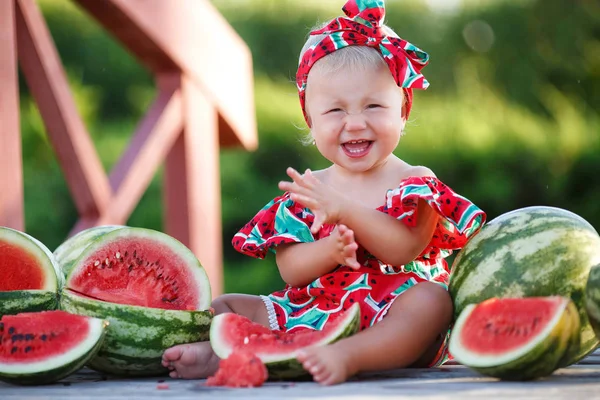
375, 284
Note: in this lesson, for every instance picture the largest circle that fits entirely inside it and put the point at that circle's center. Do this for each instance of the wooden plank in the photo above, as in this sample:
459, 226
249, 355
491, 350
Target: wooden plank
161, 35
148, 148
192, 185
11, 179
571, 383
48, 83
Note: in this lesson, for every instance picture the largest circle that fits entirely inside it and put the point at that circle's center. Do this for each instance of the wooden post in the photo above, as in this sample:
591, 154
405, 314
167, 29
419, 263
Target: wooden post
192, 184
11, 175
47, 81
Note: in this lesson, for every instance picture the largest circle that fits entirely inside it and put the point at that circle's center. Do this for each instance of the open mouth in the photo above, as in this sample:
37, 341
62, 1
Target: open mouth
357, 148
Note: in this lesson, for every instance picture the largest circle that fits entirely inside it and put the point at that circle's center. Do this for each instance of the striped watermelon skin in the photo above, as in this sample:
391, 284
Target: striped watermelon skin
541, 361
69, 251
138, 336
18, 301
533, 251
592, 298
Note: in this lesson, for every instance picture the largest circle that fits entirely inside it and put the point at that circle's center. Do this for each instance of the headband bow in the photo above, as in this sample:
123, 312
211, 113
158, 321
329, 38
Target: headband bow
363, 27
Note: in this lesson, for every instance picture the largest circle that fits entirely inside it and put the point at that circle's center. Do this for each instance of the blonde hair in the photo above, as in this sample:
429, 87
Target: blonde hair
349, 57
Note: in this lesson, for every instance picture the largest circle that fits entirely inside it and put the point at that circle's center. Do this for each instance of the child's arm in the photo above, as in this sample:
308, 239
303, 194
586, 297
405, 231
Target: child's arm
301, 263
387, 238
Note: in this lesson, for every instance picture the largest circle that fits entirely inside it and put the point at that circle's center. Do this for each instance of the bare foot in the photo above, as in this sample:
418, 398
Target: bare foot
190, 361
326, 364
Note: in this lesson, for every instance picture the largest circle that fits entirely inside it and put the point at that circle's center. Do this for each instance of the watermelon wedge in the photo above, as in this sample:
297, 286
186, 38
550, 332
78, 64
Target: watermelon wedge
45, 347
151, 288
29, 275
516, 338
277, 350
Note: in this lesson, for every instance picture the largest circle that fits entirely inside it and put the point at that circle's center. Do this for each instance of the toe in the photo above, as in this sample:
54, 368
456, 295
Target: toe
172, 354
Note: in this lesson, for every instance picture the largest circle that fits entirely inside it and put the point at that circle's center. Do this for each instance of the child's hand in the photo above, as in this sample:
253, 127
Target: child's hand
325, 202
346, 246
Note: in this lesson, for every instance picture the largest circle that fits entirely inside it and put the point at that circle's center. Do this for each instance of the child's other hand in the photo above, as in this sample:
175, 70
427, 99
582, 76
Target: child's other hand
345, 246
325, 202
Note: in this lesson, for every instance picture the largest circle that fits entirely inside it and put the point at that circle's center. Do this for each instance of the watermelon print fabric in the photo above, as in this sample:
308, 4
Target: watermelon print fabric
362, 27
376, 284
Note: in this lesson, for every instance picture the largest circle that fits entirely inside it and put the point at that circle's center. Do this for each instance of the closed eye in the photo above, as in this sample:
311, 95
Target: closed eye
334, 110
373, 106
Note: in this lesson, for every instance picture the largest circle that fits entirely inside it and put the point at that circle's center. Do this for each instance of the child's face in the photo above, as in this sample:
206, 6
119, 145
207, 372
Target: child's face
356, 116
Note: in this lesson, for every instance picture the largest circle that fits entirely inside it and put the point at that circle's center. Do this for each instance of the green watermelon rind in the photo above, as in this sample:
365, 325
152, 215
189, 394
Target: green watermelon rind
187, 256
480, 269
537, 359
19, 301
138, 336
592, 298
44, 372
45, 258
285, 365
69, 251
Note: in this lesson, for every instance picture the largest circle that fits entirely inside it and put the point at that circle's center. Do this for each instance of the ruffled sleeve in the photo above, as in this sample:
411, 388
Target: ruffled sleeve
280, 221
460, 218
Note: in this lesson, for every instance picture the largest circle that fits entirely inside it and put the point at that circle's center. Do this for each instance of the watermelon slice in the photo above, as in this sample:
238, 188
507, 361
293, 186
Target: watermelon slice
516, 338
44, 347
277, 350
29, 275
151, 288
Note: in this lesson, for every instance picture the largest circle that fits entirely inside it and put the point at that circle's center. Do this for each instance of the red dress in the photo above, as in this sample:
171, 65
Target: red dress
375, 284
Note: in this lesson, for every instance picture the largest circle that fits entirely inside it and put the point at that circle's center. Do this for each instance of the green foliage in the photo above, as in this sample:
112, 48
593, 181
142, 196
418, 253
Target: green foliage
510, 119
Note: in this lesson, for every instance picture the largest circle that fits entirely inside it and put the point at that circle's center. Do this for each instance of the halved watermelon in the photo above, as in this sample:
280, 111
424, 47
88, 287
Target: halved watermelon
516, 338
44, 347
151, 288
277, 350
29, 276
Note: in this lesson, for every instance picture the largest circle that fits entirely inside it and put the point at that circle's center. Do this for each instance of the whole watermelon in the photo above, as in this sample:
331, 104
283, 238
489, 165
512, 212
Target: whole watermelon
592, 298
532, 251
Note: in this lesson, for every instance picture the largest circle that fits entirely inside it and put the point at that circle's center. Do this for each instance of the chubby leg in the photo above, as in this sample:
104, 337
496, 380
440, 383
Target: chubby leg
197, 360
409, 335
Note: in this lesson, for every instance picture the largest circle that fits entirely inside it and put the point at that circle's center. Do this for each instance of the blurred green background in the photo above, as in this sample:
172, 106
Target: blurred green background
510, 119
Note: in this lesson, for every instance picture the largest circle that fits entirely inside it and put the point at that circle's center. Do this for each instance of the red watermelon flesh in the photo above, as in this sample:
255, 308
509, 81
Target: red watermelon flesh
137, 271
513, 320
240, 369
238, 332
31, 337
19, 269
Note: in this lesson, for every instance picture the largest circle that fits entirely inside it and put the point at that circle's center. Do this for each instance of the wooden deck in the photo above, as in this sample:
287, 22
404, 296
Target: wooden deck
581, 381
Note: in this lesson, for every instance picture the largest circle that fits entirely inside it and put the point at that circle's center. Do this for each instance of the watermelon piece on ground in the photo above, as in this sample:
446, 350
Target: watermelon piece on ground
45, 347
29, 275
530, 252
240, 369
277, 350
151, 288
516, 338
